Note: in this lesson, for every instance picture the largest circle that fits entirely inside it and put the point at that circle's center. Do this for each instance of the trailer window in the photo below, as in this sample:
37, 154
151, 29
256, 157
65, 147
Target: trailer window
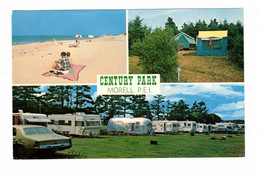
189, 124
51, 122
80, 123
63, 122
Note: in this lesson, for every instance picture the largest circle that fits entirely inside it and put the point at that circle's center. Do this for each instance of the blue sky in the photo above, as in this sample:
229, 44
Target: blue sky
69, 22
157, 18
226, 100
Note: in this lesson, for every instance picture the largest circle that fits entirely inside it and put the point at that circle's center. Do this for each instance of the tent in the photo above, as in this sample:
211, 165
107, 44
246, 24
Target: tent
130, 125
212, 43
185, 41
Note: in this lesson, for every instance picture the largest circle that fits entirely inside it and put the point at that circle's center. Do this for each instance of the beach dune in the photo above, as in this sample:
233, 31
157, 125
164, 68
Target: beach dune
104, 55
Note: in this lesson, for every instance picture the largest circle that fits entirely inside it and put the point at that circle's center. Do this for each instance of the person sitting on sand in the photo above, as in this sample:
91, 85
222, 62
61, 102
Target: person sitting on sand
63, 63
70, 59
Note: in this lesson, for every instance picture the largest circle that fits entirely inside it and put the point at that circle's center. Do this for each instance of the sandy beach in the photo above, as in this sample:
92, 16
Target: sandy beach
104, 55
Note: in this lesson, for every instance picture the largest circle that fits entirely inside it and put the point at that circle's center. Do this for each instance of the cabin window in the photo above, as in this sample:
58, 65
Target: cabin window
216, 44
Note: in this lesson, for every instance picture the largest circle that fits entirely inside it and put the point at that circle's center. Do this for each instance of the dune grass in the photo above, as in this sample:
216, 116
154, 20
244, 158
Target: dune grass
169, 146
199, 68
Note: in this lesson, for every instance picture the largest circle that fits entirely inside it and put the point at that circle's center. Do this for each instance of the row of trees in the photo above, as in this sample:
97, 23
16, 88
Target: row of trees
158, 42
69, 99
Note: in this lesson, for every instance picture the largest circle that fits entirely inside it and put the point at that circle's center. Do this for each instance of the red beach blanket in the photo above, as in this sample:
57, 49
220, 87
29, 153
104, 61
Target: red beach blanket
72, 74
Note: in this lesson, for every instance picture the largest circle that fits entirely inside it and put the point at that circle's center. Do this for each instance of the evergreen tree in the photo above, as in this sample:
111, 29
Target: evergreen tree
25, 98
157, 107
136, 32
170, 24
198, 112
139, 106
180, 111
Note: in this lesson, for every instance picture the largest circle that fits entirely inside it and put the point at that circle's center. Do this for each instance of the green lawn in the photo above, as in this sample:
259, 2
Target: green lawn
169, 146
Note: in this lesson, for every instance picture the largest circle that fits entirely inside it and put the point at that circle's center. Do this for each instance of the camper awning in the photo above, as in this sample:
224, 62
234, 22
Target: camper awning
38, 120
207, 34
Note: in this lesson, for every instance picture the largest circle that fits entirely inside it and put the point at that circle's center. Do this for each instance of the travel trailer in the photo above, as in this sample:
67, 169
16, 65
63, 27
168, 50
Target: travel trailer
212, 127
75, 124
226, 126
22, 118
187, 126
165, 126
129, 125
202, 128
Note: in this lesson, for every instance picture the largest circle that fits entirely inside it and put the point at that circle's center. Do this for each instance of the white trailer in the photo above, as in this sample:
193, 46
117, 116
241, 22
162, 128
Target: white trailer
228, 126
187, 126
75, 124
129, 125
212, 127
202, 128
22, 118
165, 126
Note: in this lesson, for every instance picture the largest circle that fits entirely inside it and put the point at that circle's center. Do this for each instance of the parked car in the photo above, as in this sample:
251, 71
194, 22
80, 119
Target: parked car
224, 130
38, 138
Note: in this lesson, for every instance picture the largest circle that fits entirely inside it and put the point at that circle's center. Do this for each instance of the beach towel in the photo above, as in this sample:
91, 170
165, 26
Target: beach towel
72, 74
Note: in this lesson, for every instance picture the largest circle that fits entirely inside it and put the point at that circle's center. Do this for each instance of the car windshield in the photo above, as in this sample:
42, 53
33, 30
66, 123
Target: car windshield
37, 130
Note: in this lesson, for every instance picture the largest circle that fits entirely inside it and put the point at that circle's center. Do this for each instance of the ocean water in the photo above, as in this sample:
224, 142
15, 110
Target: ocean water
19, 40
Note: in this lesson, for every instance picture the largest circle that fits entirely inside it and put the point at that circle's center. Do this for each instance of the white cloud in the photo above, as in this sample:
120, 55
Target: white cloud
239, 114
230, 106
200, 89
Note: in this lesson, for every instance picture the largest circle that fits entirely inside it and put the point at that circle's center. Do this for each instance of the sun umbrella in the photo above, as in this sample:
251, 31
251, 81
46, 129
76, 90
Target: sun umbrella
91, 36
78, 36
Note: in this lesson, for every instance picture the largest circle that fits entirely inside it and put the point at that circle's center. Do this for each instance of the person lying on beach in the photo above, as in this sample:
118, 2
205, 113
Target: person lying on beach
76, 44
63, 63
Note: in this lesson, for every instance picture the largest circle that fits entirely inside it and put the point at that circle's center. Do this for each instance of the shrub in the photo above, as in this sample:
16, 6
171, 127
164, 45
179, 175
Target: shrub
192, 133
158, 54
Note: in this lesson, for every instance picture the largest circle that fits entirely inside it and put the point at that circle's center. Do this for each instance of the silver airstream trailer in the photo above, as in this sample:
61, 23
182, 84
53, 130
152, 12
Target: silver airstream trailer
129, 125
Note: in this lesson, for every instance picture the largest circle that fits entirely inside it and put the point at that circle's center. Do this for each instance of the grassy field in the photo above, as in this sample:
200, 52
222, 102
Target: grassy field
200, 68
169, 146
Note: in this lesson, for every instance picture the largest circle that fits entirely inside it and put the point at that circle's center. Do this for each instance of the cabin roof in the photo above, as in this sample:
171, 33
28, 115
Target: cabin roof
207, 34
